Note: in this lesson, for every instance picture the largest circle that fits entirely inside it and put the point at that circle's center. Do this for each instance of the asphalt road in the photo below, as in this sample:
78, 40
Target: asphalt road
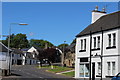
32, 72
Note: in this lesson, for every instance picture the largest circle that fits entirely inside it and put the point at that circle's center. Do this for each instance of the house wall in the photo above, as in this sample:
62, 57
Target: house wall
4, 60
17, 57
118, 49
109, 54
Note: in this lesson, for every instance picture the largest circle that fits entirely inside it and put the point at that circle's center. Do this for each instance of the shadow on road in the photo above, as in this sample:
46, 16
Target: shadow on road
13, 74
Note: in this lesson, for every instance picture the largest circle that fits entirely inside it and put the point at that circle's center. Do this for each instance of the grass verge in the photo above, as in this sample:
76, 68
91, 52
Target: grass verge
71, 74
58, 69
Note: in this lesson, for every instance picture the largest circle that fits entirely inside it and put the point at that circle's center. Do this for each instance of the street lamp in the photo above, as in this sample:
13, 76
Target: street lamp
9, 41
63, 54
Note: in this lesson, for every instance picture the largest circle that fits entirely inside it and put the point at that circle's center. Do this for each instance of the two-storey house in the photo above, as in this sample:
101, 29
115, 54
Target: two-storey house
98, 46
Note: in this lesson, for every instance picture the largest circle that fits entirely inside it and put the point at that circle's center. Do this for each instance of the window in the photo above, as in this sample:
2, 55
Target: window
108, 64
81, 44
84, 44
113, 68
98, 42
94, 42
84, 70
109, 40
99, 68
114, 39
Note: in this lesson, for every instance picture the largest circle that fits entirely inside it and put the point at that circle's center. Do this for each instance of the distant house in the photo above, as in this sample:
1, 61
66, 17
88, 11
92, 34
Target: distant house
99, 44
5, 64
17, 57
31, 55
24, 56
70, 56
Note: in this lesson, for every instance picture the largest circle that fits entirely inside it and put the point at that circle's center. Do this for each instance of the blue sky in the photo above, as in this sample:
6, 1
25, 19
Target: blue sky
53, 21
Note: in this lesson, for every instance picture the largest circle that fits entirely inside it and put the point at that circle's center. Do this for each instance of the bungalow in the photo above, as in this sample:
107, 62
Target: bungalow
98, 47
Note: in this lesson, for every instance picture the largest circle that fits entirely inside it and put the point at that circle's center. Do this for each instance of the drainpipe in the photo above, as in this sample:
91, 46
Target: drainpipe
90, 55
101, 53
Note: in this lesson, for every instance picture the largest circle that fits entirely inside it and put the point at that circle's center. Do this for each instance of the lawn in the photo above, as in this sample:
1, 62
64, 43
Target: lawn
71, 74
57, 69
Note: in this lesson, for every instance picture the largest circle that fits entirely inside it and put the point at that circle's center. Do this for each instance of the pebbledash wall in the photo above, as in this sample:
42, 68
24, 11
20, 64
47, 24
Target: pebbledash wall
111, 54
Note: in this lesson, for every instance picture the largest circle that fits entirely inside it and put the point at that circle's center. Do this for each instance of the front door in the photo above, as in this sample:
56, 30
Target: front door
93, 71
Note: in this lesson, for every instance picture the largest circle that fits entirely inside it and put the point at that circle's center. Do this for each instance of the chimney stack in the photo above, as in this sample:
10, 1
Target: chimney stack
96, 14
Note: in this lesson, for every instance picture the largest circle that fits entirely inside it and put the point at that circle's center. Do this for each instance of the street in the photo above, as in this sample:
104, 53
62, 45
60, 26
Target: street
31, 71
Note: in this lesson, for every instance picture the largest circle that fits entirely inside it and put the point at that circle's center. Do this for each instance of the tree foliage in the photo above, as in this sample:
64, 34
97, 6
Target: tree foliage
17, 41
40, 43
62, 45
51, 54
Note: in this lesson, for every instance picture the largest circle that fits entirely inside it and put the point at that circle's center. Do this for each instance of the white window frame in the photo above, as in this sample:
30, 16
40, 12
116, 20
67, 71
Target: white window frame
98, 44
114, 39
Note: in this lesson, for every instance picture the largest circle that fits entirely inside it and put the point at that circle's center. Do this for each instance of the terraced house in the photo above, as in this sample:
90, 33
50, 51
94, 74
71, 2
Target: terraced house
98, 46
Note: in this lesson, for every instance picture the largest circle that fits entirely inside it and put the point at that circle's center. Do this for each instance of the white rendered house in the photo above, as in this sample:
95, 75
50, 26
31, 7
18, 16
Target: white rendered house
98, 45
5, 63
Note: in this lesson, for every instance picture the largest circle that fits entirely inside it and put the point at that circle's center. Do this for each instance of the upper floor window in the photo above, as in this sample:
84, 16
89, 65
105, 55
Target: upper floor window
94, 42
114, 39
109, 40
98, 42
84, 44
81, 44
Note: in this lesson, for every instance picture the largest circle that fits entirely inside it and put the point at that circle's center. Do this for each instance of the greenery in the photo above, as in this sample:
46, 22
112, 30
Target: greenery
60, 69
71, 74
40, 43
17, 41
62, 45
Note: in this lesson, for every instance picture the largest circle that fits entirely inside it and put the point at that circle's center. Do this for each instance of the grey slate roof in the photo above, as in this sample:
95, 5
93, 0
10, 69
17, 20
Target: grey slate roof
106, 22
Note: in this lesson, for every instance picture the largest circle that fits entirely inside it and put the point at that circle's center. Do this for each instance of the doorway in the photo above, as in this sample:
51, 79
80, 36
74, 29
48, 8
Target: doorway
93, 71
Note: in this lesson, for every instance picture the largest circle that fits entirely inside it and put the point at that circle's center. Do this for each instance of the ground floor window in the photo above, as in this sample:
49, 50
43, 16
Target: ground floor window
108, 64
99, 68
84, 70
111, 68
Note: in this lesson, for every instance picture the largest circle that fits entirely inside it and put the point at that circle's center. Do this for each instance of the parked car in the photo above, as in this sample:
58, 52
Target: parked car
117, 77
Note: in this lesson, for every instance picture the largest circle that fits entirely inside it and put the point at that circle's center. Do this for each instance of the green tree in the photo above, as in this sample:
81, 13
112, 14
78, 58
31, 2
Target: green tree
20, 41
17, 41
62, 45
40, 43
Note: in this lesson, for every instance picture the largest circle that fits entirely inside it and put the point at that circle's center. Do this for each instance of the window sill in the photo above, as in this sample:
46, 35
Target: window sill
111, 47
95, 49
82, 51
109, 76
98, 75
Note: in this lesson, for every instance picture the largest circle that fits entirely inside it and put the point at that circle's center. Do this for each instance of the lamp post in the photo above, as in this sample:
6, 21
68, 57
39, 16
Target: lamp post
9, 63
63, 54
